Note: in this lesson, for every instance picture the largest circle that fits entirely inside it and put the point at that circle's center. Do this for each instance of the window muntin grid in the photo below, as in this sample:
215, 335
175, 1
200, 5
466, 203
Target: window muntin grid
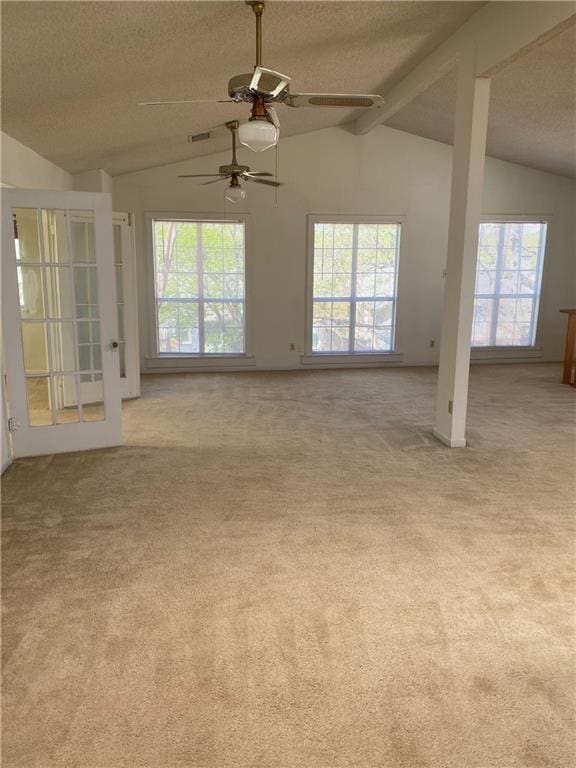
508, 280
354, 294
199, 269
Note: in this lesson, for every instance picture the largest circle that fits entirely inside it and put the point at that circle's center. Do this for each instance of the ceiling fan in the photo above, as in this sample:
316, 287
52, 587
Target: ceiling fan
265, 87
234, 171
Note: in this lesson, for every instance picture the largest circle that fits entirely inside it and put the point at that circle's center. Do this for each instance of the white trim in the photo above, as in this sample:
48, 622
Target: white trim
6, 443
340, 218
323, 359
505, 353
190, 364
517, 218
130, 384
149, 273
451, 443
236, 365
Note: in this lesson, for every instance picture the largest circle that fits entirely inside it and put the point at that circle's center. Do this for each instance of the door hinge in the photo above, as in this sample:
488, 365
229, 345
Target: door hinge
12, 424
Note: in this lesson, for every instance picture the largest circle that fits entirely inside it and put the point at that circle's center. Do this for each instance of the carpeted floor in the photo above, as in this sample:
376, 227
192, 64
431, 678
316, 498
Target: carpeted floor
285, 570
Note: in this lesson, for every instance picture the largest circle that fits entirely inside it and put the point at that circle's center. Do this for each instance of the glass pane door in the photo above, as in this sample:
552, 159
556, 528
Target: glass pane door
59, 261
59, 315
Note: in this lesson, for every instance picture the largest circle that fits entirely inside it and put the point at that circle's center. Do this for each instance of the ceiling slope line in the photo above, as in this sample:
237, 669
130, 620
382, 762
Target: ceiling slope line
498, 33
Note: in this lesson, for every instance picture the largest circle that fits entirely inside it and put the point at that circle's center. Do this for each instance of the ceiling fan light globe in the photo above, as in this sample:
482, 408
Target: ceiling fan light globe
235, 194
258, 135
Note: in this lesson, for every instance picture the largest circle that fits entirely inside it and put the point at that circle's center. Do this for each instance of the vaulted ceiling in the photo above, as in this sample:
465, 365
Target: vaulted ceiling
73, 72
532, 108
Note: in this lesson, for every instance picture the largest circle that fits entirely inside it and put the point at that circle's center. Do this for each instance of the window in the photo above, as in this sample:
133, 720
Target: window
508, 277
200, 287
355, 276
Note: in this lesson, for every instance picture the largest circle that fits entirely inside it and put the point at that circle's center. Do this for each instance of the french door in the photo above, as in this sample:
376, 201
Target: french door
60, 321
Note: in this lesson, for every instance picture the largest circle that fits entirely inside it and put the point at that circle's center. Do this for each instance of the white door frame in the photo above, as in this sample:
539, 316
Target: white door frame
130, 383
57, 438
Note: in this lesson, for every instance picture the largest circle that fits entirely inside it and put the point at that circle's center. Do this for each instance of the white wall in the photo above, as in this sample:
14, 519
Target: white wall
333, 171
22, 167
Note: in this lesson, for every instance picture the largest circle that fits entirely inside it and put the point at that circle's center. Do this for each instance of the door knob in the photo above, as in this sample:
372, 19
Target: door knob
114, 345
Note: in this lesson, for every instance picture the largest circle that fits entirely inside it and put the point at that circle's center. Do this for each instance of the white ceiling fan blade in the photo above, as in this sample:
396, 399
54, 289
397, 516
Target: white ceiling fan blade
257, 173
184, 101
343, 100
268, 82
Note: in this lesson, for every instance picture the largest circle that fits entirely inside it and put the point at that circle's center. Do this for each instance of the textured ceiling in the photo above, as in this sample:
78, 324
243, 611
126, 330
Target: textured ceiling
532, 109
72, 72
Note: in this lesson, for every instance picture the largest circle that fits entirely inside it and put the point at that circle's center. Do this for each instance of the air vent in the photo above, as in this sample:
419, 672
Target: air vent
194, 137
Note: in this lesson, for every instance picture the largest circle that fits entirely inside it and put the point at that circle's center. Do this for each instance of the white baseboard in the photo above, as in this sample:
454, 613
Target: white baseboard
251, 365
191, 364
372, 360
451, 443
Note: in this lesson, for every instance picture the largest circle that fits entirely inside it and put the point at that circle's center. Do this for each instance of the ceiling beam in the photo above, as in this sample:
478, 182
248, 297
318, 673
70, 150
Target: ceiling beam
498, 32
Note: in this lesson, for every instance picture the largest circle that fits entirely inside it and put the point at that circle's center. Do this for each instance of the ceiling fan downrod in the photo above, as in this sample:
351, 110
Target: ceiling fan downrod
232, 126
258, 8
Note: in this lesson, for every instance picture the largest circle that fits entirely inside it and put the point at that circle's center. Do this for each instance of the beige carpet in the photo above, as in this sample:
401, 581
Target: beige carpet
286, 571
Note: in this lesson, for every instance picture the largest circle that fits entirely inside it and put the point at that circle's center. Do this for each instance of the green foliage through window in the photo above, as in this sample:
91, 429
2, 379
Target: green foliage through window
200, 287
354, 287
508, 276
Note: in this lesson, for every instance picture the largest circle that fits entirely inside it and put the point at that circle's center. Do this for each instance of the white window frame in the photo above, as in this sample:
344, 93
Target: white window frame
182, 360
516, 350
364, 356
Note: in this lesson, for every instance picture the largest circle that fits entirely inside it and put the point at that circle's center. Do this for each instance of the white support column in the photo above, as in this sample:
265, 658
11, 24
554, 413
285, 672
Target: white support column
472, 105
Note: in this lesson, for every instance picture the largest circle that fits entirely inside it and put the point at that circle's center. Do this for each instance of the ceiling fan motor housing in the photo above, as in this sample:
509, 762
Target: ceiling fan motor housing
226, 170
239, 88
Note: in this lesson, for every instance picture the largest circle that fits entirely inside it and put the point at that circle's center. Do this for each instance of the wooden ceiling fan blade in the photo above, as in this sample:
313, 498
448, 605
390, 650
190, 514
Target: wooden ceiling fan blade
342, 100
200, 175
184, 101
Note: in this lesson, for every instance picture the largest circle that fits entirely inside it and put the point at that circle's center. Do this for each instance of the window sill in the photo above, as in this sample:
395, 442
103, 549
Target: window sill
198, 362
374, 359
505, 353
